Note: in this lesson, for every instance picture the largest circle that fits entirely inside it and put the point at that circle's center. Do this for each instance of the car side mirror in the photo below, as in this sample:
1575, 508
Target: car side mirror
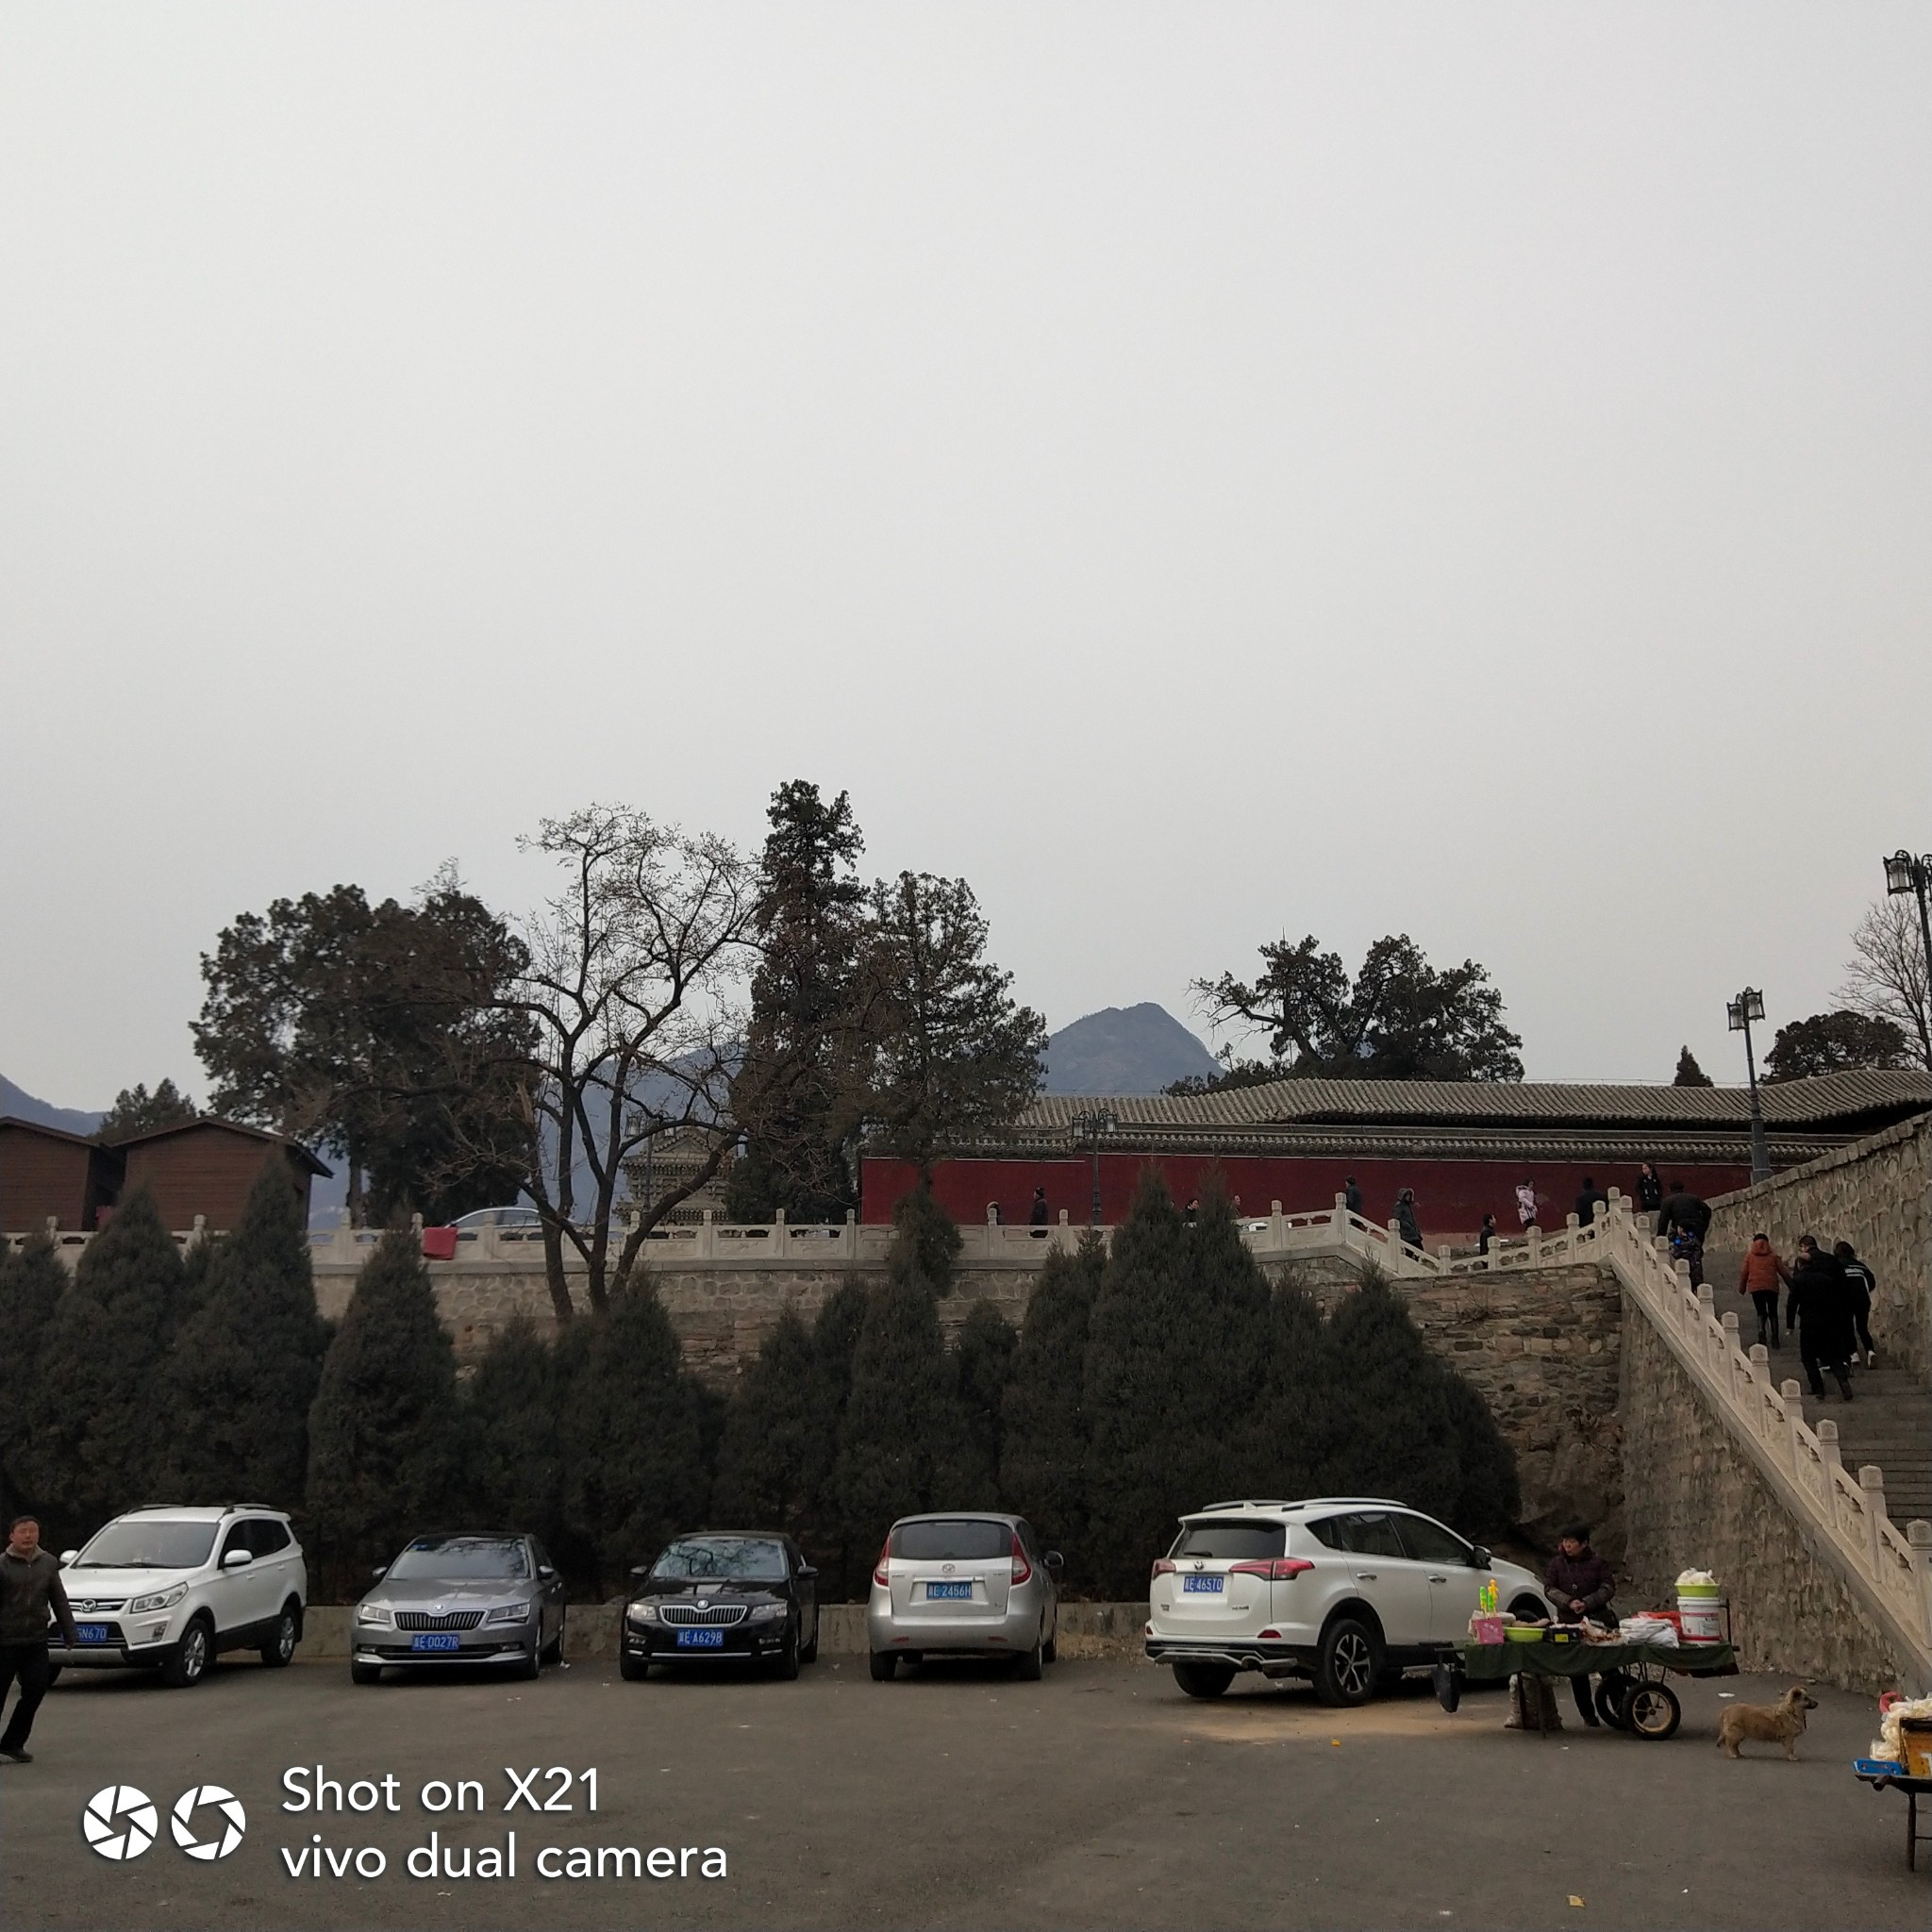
1054, 1561
1479, 1558
235, 1558
546, 1571
381, 1569
806, 1574
67, 1556
639, 1571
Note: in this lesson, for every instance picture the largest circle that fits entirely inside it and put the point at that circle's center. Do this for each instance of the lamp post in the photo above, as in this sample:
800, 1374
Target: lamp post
1091, 1128
1747, 1007
1906, 874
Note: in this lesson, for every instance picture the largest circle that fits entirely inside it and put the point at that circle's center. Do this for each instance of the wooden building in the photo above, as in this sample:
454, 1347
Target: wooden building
48, 1174
208, 1167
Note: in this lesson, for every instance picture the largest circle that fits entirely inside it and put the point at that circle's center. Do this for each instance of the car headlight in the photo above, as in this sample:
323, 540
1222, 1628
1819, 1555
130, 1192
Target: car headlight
372, 1613
160, 1600
766, 1613
641, 1613
509, 1613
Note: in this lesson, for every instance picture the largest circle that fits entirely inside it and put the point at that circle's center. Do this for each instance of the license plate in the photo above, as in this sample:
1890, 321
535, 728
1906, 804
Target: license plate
701, 1640
437, 1639
1201, 1586
949, 1593
92, 1633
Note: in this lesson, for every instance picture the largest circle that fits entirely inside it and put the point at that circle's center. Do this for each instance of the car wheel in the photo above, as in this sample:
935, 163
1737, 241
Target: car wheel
365, 1673
1350, 1663
808, 1653
186, 1662
530, 1665
1026, 1664
787, 1665
280, 1648
633, 1670
883, 1664
554, 1654
1203, 1680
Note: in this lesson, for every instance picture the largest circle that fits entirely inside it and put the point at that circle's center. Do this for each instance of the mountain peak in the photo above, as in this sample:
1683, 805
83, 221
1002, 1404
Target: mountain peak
1123, 1050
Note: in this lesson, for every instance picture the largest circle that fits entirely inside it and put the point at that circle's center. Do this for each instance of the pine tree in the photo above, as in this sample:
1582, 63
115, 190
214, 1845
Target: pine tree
776, 1450
634, 1473
514, 1438
31, 1285
1689, 1073
1044, 1455
383, 1431
843, 1562
982, 1361
1293, 1416
246, 1364
97, 1421
1177, 1349
925, 1244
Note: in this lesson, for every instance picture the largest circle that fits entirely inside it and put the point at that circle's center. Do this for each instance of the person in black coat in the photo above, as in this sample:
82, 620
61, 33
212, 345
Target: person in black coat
1682, 1209
1351, 1196
1035, 1216
1863, 1285
1818, 1306
1406, 1223
1650, 1191
1592, 1198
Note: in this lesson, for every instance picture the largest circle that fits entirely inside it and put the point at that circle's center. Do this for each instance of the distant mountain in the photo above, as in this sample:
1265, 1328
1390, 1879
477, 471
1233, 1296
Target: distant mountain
18, 1102
1125, 1050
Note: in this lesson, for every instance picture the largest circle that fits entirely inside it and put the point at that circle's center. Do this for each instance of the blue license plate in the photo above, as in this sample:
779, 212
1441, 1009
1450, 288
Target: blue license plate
951, 1592
437, 1639
92, 1633
1201, 1586
701, 1640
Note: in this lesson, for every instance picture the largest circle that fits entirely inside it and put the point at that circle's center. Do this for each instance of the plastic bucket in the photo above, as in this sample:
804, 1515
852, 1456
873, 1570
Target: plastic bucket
1700, 1613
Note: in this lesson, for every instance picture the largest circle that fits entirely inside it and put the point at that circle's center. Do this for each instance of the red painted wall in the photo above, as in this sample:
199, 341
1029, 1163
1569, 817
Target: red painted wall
1452, 1196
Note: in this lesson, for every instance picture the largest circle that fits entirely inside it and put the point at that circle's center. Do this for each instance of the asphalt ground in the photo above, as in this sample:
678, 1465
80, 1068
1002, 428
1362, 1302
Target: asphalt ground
956, 1797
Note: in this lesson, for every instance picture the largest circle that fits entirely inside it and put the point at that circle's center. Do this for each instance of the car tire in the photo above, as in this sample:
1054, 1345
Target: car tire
883, 1666
530, 1665
1203, 1680
633, 1670
553, 1651
1349, 1663
1050, 1650
186, 1663
1526, 1609
280, 1650
365, 1673
1028, 1663
808, 1653
786, 1665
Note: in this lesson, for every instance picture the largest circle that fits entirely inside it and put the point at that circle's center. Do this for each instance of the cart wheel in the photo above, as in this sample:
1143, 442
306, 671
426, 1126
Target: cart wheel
1611, 1696
1448, 1682
1651, 1711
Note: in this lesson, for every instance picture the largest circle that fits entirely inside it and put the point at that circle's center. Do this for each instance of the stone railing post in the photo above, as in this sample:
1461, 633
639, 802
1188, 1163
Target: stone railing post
1733, 1355
851, 1243
1277, 1227
1063, 1235
1342, 1228
1794, 1419
1872, 1480
1760, 1373
1833, 1457
1919, 1534
1397, 1257
708, 1239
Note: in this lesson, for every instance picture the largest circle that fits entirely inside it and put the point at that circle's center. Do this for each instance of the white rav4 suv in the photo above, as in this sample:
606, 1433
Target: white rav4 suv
168, 1586
1349, 1591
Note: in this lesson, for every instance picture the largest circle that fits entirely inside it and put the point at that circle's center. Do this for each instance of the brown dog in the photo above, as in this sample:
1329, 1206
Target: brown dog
1770, 1723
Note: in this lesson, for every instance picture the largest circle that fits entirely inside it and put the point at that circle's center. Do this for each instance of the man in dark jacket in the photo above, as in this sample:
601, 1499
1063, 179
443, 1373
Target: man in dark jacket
1037, 1214
1863, 1285
1682, 1209
1351, 1196
1581, 1585
1407, 1224
1589, 1201
29, 1589
1819, 1306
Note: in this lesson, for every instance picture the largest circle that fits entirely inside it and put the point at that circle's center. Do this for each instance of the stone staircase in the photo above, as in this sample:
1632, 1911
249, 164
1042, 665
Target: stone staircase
1888, 1422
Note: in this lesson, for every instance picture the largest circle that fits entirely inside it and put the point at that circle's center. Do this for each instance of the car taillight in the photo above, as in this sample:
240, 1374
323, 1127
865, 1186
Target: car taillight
1162, 1568
879, 1573
1023, 1569
1279, 1570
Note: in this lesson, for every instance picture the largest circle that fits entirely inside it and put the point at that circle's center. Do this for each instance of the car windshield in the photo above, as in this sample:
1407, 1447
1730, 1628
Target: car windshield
1235, 1542
149, 1544
737, 1558
966, 1540
459, 1559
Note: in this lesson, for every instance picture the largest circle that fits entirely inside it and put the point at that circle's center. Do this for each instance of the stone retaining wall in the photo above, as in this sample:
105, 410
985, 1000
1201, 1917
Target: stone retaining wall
1693, 1498
1876, 1195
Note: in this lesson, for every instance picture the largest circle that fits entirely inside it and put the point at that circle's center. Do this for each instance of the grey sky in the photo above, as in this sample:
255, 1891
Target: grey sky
1197, 471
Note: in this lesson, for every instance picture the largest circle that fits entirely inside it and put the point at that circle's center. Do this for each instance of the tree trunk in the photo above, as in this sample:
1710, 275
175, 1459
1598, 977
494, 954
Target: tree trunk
355, 1200
555, 1279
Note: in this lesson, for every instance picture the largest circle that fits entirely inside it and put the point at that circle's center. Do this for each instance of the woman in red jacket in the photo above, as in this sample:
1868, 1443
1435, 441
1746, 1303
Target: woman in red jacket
1759, 1277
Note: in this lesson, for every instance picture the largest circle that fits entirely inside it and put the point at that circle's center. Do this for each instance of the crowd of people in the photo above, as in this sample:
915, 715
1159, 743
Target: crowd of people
1828, 1305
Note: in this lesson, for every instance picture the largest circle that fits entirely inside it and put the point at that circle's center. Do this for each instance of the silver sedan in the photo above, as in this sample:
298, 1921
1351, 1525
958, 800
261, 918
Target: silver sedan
963, 1584
471, 1599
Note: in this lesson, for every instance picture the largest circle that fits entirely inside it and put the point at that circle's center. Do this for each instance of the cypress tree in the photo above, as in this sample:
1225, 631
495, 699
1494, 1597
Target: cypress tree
1177, 1350
982, 1360
843, 1562
246, 1364
778, 1449
1292, 1415
515, 1438
383, 1431
31, 1285
97, 1421
925, 1244
634, 1473
1043, 1455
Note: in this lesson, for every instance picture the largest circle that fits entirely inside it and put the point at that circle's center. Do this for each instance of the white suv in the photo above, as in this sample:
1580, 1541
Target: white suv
1349, 1591
168, 1586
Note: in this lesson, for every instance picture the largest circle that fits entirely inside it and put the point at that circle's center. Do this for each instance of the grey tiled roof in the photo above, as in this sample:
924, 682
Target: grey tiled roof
1828, 1098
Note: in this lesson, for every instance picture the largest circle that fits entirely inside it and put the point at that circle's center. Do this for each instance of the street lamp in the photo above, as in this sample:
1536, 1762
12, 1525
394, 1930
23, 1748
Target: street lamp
1904, 874
1747, 1007
1091, 1128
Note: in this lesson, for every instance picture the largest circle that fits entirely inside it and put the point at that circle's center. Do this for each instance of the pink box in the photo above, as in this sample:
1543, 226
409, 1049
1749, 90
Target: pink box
1488, 1629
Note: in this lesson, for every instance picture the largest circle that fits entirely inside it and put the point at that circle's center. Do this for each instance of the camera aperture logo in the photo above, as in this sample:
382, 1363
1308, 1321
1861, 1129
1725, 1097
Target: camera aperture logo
228, 1822
119, 1822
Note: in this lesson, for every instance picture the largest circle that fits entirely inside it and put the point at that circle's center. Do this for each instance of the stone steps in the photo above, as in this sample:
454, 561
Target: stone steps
1888, 1422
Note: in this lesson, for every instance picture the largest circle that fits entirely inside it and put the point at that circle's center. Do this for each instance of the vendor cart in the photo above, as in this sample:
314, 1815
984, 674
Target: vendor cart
1892, 1777
1633, 1695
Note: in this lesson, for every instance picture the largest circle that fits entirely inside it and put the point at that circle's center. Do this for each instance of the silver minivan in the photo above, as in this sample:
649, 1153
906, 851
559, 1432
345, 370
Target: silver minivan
963, 1583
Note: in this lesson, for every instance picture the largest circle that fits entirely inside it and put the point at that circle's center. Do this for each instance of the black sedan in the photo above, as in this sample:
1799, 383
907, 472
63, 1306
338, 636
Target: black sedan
722, 1596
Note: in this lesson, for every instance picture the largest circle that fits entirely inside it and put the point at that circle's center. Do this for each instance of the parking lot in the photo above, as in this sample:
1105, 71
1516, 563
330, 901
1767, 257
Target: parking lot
954, 1797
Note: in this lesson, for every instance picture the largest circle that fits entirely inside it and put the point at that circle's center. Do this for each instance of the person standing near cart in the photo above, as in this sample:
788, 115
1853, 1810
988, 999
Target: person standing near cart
29, 1589
1581, 1585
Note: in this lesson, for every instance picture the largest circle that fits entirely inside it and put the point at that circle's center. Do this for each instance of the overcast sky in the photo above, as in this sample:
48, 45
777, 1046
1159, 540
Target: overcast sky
1201, 473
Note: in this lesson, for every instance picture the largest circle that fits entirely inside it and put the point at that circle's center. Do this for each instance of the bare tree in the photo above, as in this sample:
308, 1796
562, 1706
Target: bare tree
1886, 978
634, 988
